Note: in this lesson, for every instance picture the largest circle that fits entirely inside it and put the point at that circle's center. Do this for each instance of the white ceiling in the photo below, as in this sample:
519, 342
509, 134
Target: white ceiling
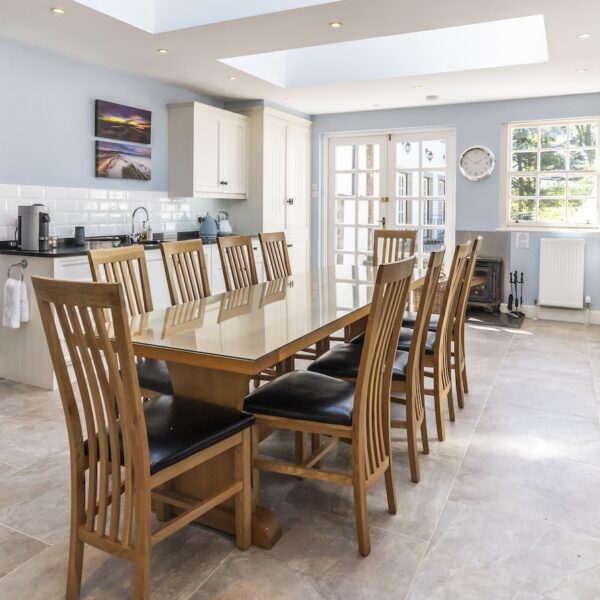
192, 61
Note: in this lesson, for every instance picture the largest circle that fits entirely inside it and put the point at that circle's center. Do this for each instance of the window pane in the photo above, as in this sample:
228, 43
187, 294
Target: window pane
583, 160
408, 212
344, 259
524, 161
365, 239
434, 184
522, 209
583, 135
524, 138
433, 239
344, 158
368, 156
407, 184
582, 210
554, 136
344, 184
407, 155
344, 238
553, 161
552, 211
523, 186
583, 185
368, 212
345, 211
434, 154
434, 212
368, 185
345, 293
555, 185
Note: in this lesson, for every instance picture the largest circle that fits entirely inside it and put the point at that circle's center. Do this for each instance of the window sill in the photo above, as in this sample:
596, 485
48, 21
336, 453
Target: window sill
546, 229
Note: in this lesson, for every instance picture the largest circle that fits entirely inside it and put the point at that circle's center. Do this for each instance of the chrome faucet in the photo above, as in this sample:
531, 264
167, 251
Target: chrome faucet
135, 237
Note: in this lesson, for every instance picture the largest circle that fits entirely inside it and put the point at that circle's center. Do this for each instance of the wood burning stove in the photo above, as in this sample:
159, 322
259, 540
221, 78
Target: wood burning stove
489, 294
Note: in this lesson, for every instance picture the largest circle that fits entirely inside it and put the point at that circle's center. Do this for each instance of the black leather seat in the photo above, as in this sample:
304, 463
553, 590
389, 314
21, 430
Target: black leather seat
343, 360
179, 427
154, 375
410, 320
305, 396
404, 340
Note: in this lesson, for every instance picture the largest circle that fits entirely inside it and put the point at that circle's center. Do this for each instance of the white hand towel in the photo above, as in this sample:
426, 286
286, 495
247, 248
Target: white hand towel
11, 316
24, 304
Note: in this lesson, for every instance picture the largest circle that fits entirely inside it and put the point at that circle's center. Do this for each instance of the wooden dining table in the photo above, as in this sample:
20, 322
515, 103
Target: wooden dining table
215, 346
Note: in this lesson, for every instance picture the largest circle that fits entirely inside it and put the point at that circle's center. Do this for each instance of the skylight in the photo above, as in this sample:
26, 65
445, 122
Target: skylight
502, 43
156, 16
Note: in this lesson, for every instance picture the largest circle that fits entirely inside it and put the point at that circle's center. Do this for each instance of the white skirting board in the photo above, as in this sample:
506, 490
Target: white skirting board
564, 315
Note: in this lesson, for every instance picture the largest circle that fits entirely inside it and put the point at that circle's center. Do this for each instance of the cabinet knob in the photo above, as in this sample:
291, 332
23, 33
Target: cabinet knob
223, 182
290, 201
290, 245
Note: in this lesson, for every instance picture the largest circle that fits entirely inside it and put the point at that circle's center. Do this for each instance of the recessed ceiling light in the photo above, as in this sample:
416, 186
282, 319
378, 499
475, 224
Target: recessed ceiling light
58, 11
417, 87
335, 24
232, 77
162, 51
584, 36
288, 97
580, 71
376, 105
432, 98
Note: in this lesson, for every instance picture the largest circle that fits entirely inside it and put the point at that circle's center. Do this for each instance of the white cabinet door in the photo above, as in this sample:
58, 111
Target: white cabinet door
297, 177
233, 156
206, 152
274, 206
298, 252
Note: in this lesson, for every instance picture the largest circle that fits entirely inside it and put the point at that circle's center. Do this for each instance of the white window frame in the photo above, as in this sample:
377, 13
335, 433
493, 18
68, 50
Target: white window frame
506, 173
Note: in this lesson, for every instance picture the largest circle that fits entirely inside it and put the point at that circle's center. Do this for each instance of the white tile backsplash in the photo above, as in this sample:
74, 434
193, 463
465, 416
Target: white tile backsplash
101, 212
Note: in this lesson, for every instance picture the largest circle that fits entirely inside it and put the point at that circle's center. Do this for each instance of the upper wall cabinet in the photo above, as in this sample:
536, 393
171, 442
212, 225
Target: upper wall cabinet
208, 152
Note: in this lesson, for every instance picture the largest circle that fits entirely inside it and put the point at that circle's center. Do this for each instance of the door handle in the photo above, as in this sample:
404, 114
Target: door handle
382, 221
290, 245
290, 201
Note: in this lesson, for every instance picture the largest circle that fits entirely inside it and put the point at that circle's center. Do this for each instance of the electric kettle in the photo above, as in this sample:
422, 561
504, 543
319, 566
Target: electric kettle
224, 224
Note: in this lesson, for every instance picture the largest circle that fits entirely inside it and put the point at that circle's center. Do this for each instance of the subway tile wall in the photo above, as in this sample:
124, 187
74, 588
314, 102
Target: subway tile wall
102, 212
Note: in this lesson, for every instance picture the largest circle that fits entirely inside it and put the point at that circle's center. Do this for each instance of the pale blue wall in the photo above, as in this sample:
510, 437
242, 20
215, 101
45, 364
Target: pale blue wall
47, 118
477, 204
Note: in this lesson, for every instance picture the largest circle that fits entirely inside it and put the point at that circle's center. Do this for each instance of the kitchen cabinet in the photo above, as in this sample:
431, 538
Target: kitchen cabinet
208, 152
279, 179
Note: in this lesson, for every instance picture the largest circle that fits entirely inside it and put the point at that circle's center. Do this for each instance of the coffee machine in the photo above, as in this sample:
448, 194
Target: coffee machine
33, 227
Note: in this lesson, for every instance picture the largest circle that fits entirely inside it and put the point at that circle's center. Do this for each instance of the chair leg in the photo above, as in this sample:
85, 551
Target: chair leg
459, 387
301, 446
362, 519
439, 414
464, 378
315, 442
390, 489
76, 546
424, 437
255, 470
141, 568
451, 405
243, 500
413, 452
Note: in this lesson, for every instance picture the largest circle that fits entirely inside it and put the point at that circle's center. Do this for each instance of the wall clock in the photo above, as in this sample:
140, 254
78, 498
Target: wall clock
477, 163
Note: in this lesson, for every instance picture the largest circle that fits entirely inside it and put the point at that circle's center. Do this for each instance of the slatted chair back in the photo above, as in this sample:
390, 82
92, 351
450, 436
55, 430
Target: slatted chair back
463, 300
237, 260
443, 338
185, 268
275, 255
392, 245
128, 267
415, 389
371, 418
112, 501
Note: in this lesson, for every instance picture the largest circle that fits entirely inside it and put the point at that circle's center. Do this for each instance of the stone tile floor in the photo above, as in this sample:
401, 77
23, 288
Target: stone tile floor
507, 507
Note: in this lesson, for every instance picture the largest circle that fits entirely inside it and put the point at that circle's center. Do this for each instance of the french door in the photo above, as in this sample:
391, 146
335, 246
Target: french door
394, 181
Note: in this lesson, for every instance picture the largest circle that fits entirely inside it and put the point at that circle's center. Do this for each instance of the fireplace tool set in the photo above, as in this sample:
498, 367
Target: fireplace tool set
516, 300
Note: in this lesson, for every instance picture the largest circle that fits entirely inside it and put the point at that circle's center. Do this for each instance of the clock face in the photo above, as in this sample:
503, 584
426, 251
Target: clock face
477, 163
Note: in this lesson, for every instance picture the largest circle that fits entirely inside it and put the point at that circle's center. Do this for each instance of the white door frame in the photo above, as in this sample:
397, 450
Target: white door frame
326, 210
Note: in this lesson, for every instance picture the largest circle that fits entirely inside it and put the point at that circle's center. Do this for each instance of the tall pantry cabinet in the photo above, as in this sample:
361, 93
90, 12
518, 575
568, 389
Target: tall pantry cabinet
279, 179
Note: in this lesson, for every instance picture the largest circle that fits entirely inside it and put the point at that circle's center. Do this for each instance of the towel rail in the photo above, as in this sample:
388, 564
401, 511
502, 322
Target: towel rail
21, 265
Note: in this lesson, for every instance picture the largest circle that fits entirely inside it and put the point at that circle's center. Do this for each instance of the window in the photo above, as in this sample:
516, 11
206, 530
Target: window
553, 173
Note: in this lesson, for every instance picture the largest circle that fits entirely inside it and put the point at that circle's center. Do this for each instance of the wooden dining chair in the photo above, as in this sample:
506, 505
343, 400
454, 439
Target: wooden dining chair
392, 245
237, 259
185, 269
123, 452
128, 267
304, 401
343, 361
275, 255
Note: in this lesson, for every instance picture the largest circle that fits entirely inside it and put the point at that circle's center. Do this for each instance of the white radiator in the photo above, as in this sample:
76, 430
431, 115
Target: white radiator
561, 272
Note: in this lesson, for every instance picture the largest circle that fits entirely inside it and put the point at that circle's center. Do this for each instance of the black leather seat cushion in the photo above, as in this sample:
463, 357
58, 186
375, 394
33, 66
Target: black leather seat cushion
404, 341
154, 375
305, 396
410, 320
179, 427
343, 360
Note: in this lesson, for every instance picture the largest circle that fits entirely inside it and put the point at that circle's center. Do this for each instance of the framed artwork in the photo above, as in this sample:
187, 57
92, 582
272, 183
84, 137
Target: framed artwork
123, 161
124, 123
